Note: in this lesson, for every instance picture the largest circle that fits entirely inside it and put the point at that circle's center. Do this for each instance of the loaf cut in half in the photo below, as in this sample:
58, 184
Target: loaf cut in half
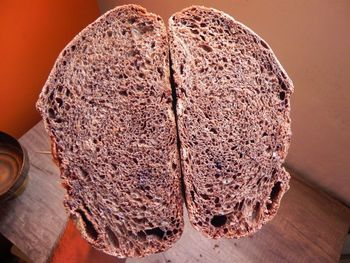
233, 107
107, 106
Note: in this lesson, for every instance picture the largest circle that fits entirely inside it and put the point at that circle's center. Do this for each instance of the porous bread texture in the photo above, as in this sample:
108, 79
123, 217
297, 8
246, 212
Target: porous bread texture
107, 107
233, 107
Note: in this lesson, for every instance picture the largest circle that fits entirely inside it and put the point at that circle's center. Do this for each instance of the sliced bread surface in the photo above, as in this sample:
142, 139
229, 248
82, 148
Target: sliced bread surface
107, 107
233, 110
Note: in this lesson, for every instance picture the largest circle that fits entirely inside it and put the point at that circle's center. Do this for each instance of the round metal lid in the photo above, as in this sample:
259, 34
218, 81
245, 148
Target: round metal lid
13, 165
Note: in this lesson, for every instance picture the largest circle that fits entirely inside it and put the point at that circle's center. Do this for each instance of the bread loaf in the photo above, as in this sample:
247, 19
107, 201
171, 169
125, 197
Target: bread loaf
233, 105
107, 106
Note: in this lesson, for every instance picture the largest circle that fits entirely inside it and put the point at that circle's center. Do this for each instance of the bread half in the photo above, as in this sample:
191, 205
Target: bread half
107, 106
233, 105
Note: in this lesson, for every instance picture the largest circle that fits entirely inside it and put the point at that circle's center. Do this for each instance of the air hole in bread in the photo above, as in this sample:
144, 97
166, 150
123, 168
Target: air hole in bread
240, 206
52, 113
123, 93
68, 93
197, 18
141, 235
206, 48
217, 175
275, 192
132, 20
268, 149
286, 103
47, 89
259, 180
160, 71
173, 166
149, 197
263, 43
282, 95
84, 173
213, 130
256, 212
181, 69
89, 227
109, 33
143, 28
139, 220
192, 195
112, 237
248, 202
218, 220
282, 84
51, 95
217, 200
73, 47
205, 197
137, 252
157, 232
218, 165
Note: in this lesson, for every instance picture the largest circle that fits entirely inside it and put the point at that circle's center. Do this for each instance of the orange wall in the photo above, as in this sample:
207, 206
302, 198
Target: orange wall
32, 33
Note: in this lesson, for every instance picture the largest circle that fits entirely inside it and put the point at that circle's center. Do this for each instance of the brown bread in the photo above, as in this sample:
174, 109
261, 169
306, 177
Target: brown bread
107, 106
233, 105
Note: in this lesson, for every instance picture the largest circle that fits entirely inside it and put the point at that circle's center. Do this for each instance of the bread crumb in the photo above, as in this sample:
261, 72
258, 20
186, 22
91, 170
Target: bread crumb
216, 248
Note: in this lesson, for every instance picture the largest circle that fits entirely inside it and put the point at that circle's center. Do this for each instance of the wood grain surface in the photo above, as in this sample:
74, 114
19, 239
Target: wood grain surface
309, 227
35, 220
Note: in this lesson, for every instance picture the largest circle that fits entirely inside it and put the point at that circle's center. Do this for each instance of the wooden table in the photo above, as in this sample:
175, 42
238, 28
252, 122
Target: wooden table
35, 220
309, 227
